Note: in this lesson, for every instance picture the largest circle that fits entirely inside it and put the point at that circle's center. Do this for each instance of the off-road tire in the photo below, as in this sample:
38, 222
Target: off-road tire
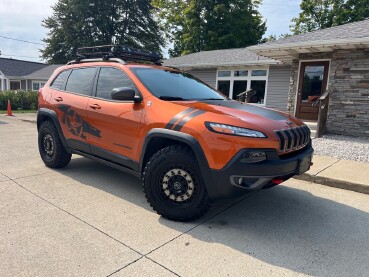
175, 157
59, 157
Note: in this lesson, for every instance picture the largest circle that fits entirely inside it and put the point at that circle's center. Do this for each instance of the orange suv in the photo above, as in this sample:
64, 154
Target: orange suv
187, 142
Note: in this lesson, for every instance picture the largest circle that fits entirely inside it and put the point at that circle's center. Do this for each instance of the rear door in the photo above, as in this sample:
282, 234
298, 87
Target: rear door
70, 105
119, 122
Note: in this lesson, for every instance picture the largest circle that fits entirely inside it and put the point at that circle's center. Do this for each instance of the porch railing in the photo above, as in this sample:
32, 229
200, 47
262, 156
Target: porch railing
322, 101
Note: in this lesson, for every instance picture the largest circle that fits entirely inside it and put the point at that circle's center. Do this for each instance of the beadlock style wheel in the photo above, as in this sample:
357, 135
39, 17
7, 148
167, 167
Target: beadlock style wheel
173, 184
178, 185
48, 145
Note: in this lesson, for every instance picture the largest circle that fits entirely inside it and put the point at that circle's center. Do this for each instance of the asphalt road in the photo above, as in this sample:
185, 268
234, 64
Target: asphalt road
91, 220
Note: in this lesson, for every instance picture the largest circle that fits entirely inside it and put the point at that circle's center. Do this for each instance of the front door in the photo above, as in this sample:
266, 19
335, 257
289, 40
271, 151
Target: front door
119, 122
312, 84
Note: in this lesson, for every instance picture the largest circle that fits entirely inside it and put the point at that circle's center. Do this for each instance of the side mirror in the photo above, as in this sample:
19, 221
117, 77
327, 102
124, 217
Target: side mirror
125, 94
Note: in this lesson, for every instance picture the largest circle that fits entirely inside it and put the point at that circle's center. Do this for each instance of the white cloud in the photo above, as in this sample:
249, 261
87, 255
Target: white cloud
278, 14
21, 19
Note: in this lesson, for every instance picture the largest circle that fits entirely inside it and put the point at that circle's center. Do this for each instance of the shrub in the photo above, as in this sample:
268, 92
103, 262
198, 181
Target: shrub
19, 99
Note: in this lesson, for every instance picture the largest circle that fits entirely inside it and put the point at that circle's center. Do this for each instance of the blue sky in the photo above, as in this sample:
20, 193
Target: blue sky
21, 19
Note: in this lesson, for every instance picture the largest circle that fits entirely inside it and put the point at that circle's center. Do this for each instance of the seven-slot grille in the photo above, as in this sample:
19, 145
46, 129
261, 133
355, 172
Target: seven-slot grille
294, 138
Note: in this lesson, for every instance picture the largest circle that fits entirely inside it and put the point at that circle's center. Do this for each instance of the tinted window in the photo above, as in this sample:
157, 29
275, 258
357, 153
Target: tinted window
168, 84
59, 80
81, 80
110, 78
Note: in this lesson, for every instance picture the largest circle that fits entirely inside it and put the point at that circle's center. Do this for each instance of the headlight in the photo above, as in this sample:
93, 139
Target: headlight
233, 130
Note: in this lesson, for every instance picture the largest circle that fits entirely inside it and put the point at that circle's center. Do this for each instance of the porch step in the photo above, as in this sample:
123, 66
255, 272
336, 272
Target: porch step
312, 126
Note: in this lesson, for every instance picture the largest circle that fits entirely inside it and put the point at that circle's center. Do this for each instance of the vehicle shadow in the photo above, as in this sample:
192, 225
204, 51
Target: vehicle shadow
284, 226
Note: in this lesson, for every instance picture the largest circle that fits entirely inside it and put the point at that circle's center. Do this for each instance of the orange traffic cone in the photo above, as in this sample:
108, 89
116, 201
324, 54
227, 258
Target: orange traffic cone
9, 111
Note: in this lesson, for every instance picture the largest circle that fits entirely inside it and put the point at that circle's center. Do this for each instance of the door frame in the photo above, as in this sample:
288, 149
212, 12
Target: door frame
299, 78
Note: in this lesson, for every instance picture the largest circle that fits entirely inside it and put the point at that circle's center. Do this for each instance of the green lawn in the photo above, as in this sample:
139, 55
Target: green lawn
20, 111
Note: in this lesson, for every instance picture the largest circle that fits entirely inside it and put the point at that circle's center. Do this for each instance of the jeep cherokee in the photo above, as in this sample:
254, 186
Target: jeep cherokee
187, 142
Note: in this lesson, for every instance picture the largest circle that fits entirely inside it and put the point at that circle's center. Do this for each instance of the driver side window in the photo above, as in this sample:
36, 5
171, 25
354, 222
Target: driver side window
110, 78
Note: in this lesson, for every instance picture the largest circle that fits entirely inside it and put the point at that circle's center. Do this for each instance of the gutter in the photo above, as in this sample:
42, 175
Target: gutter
308, 44
213, 65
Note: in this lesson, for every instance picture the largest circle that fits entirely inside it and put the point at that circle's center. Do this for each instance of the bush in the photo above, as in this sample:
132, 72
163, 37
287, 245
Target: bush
19, 99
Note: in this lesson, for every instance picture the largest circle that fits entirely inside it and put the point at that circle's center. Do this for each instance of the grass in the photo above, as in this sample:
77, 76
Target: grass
20, 111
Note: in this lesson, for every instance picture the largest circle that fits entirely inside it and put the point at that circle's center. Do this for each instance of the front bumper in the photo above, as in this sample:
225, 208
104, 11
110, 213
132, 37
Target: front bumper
239, 177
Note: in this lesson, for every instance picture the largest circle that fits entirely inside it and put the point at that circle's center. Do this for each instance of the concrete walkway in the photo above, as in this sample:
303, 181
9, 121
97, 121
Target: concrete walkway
344, 174
349, 175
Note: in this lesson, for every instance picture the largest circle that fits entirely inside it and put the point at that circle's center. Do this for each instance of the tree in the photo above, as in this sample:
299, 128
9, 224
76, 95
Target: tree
79, 23
201, 25
274, 37
321, 14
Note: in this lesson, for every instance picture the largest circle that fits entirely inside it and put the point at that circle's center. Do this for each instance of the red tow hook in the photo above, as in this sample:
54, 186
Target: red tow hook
277, 181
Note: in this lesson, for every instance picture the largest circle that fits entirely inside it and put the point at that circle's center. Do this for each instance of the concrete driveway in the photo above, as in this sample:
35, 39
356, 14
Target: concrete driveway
91, 220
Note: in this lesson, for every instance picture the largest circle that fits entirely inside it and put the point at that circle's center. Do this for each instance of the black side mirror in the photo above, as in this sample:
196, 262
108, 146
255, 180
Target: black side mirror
125, 94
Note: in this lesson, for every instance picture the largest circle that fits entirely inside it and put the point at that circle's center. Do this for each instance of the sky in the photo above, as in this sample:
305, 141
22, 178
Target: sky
21, 19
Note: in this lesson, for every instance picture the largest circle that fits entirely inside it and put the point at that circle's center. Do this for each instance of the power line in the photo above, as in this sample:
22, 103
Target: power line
21, 40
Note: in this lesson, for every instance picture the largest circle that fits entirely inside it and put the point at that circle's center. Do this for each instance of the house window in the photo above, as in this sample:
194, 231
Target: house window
36, 85
15, 85
235, 83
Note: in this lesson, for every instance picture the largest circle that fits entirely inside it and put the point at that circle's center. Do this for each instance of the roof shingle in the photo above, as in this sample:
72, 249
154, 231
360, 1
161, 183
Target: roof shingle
12, 67
238, 56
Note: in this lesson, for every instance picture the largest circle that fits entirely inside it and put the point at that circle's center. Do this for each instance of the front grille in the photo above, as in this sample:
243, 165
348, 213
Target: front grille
293, 139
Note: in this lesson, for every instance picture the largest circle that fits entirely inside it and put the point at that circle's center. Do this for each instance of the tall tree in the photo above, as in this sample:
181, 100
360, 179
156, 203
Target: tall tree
321, 14
78, 23
200, 25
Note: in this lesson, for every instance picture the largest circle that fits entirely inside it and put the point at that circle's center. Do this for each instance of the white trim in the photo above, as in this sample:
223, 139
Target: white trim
39, 83
308, 44
298, 77
247, 78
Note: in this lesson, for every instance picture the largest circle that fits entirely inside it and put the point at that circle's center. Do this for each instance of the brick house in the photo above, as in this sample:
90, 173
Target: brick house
335, 60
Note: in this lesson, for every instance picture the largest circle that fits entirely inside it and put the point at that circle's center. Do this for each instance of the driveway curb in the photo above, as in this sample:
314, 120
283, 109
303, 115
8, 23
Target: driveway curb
334, 183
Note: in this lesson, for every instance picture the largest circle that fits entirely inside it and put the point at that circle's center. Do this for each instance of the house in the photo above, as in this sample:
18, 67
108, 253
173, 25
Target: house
25, 75
333, 60
291, 74
234, 71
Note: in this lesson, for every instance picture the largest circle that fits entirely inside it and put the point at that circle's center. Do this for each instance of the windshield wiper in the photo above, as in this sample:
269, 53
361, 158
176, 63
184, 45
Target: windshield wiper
171, 98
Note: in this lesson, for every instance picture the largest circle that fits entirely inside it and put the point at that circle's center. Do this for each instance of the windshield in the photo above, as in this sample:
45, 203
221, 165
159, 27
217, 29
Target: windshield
174, 85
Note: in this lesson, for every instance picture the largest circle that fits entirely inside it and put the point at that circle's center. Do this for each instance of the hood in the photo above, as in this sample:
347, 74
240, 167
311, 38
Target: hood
248, 113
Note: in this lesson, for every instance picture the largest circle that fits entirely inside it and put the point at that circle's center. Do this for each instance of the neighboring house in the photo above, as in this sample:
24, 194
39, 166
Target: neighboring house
234, 71
334, 60
297, 71
25, 75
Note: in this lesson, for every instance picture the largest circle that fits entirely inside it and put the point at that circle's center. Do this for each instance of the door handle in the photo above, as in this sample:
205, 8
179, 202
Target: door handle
58, 99
95, 106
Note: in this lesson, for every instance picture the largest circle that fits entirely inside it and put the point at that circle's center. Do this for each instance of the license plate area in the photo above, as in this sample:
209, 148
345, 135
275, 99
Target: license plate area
303, 165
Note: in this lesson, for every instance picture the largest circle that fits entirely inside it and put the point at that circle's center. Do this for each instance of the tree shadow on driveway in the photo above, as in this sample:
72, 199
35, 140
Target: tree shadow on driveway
284, 226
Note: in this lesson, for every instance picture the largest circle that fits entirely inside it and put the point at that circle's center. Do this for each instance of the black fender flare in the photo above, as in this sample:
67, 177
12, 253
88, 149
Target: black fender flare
44, 113
191, 142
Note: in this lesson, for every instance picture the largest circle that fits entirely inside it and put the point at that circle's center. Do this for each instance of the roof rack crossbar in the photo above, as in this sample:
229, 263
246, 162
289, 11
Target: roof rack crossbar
96, 60
110, 52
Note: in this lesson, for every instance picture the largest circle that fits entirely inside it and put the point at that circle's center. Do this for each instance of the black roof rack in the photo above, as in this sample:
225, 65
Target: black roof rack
118, 51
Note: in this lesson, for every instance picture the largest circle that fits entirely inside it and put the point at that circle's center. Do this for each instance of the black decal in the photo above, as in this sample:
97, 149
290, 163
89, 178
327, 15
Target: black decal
177, 117
248, 108
187, 118
76, 124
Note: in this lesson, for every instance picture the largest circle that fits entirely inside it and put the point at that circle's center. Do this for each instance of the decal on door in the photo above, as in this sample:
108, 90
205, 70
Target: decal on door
76, 124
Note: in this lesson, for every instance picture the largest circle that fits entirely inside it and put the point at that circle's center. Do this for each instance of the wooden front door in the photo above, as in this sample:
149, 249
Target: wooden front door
312, 84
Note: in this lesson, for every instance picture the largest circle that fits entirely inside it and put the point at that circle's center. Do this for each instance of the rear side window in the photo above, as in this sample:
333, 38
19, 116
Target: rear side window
110, 78
59, 80
81, 80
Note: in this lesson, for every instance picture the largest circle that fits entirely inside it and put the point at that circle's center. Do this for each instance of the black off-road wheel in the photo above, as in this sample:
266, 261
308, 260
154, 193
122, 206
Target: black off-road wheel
51, 149
173, 184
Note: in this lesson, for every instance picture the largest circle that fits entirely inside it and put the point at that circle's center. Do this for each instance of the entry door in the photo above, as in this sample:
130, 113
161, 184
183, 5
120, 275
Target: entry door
119, 122
312, 84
